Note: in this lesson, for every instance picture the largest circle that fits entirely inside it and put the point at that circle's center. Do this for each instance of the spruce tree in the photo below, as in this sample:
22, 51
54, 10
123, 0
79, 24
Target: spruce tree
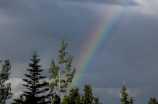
124, 95
56, 99
152, 101
96, 100
87, 97
65, 100
74, 96
21, 99
5, 90
33, 84
43, 100
77, 96
55, 71
131, 101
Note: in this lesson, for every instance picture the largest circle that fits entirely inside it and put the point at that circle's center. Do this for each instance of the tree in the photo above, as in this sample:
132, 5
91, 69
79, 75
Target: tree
21, 99
124, 95
43, 100
87, 97
56, 99
33, 83
5, 90
152, 101
131, 101
65, 100
96, 100
73, 97
55, 71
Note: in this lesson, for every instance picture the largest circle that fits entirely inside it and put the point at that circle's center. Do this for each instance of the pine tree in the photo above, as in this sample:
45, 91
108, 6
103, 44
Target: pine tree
152, 101
55, 71
74, 96
65, 100
43, 100
56, 99
33, 83
124, 95
87, 97
96, 100
5, 90
131, 101
21, 99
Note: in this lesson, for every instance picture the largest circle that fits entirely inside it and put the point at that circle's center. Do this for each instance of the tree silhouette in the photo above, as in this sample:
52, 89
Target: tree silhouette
73, 97
33, 83
96, 100
124, 95
21, 99
5, 90
131, 101
87, 97
152, 101
56, 99
65, 100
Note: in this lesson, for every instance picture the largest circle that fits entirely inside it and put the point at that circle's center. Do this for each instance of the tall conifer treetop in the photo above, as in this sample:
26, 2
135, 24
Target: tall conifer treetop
131, 101
33, 84
87, 97
74, 96
124, 95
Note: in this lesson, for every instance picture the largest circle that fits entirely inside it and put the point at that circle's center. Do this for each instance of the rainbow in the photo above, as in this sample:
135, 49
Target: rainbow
103, 34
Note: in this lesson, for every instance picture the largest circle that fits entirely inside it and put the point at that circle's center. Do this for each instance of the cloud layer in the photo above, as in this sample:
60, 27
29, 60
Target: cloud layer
132, 56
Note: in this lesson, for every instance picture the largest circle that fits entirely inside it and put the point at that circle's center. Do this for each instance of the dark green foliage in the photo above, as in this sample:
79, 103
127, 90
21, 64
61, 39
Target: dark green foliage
152, 101
73, 97
96, 101
33, 83
131, 101
5, 90
124, 95
59, 83
43, 100
65, 100
56, 100
21, 99
87, 97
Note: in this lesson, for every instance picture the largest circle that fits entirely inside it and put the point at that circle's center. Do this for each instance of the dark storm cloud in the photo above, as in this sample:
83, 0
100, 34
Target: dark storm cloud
25, 25
28, 21
55, 18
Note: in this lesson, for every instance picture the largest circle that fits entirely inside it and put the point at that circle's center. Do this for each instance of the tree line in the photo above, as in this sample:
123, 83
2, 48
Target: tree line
59, 83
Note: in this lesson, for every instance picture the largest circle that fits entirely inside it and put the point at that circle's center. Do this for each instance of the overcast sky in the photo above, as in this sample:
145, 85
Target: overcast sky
42, 24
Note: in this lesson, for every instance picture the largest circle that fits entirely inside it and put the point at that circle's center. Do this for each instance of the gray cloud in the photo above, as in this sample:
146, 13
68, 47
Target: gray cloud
108, 2
25, 25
